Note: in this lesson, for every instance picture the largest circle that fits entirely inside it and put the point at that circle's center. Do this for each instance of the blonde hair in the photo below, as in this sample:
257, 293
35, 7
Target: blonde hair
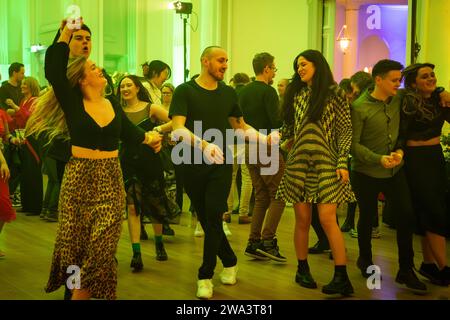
48, 117
33, 85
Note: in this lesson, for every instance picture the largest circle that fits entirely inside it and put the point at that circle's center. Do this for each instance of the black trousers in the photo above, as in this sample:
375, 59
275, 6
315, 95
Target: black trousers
397, 193
208, 186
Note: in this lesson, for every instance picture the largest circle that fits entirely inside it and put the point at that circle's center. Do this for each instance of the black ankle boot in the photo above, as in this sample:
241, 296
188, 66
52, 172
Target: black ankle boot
161, 254
305, 279
339, 285
136, 262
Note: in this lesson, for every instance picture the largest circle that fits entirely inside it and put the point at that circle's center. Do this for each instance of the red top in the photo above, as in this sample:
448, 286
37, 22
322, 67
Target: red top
21, 116
4, 119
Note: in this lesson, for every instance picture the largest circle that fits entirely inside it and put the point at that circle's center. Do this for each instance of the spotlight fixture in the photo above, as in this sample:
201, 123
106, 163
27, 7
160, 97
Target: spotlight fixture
182, 7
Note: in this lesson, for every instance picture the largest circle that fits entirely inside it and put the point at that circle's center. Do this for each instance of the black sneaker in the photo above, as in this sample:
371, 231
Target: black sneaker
319, 248
431, 272
270, 249
51, 216
44, 213
161, 254
250, 251
347, 226
410, 280
167, 230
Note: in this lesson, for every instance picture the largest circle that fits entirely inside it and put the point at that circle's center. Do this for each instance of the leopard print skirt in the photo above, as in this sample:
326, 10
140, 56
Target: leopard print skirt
91, 207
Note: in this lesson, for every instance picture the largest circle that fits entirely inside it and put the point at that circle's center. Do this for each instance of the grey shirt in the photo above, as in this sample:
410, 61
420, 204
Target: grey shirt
375, 133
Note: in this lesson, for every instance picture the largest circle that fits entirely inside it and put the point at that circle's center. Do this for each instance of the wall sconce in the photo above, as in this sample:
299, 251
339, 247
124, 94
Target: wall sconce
343, 39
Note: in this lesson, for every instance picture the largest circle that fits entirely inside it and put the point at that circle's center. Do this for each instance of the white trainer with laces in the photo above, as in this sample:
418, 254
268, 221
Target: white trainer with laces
205, 289
228, 275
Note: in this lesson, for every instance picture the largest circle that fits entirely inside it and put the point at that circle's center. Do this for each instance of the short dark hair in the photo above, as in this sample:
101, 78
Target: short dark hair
345, 84
261, 60
382, 67
15, 67
86, 28
241, 78
155, 68
362, 80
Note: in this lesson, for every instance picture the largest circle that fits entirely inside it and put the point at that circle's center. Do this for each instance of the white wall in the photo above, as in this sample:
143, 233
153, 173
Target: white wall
278, 27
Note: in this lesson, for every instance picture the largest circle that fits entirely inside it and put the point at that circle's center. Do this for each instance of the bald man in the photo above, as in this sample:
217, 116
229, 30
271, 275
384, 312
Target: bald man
207, 182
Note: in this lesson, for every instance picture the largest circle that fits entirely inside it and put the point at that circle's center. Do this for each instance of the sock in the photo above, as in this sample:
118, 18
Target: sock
340, 269
136, 247
303, 266
158, 239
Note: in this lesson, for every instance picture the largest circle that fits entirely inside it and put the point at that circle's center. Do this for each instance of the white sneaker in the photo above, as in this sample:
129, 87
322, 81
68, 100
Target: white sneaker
228, 275
199, 230
226, 230
205, 289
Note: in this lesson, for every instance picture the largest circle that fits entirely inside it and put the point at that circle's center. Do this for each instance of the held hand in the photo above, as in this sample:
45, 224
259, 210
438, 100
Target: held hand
398, 157
154, 140
342, 174
9, 102
388, 162
16, 141
4, 172
213, 154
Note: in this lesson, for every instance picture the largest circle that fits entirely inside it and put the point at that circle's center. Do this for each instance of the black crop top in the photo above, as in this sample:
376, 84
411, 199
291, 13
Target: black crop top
415, 127
84, 131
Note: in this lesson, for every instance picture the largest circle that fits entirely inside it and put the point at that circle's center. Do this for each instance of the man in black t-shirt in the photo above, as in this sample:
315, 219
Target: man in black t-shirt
11, 89
259, 103
213, 106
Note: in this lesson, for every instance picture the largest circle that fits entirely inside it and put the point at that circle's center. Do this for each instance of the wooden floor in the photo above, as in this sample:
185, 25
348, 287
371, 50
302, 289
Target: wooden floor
28, 244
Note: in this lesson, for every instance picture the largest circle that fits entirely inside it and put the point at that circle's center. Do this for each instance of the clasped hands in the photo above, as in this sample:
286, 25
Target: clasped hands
154, 140
214, 155
392, 160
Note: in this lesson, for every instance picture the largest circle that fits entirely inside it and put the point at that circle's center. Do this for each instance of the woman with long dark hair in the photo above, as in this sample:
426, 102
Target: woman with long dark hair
318, 127
143, 170
422, 120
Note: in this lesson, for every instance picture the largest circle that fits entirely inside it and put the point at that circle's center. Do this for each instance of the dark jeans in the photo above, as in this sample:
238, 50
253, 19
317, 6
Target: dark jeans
31, 187
208, 187
397, 193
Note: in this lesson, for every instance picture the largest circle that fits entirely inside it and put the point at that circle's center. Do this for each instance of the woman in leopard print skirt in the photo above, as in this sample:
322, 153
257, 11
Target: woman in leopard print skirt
92, 198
